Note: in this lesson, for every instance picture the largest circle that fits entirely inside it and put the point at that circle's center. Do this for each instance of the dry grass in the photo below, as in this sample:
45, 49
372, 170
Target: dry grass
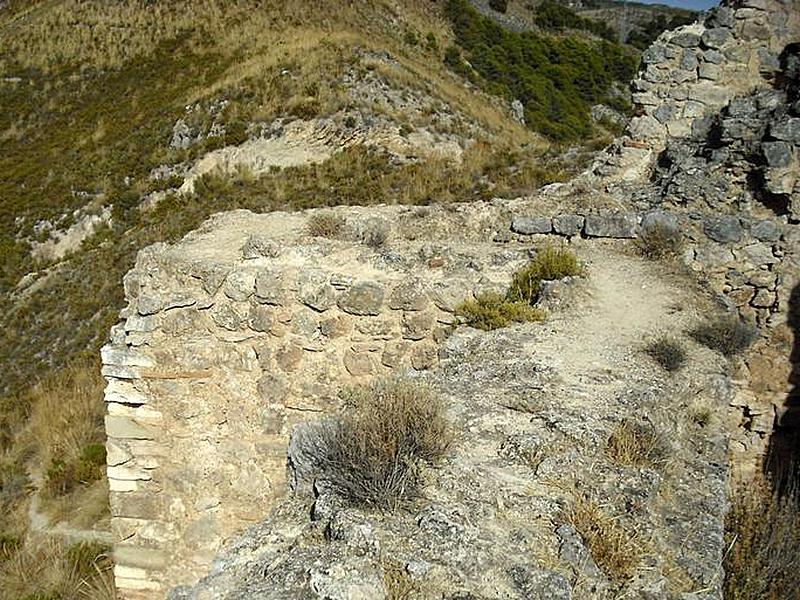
636, 444
660, 241
326, 224
728, 335
762, 561
668, 353
396, 582
616, 550
67, 428
377, 446
48, 569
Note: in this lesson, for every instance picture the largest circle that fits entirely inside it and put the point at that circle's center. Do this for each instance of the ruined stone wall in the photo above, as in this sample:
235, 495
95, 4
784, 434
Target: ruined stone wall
695, 70
250, 326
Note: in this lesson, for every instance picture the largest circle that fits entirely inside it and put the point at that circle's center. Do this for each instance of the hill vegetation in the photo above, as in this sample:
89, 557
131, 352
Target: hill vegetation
557, 78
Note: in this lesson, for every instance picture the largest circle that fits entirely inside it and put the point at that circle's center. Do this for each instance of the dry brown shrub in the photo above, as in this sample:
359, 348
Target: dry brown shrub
326, 224
50, 569
615, 549
636, 444
762, 561
376, 448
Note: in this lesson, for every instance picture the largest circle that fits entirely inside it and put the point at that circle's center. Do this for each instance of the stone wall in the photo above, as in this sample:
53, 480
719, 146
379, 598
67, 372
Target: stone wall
250, 326
695, 70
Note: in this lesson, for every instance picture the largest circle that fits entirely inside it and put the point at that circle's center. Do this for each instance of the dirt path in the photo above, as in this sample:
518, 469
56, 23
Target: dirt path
39, 523
629, 302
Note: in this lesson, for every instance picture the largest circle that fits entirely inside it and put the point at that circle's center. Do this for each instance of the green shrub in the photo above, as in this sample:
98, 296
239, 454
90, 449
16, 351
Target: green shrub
491, 311
85, 558
668, 353
660, 241
557, 78
375, 449
728, 335
549, 264
63, 476
499, 5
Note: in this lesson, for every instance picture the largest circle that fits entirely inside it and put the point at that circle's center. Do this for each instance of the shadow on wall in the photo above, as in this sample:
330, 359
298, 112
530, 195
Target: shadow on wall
783, 454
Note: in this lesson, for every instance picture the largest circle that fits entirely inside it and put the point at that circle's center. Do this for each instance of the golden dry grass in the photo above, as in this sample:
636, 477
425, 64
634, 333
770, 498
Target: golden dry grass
617, 550
762, 561
51, 569
67, 413
636, 444
387, 432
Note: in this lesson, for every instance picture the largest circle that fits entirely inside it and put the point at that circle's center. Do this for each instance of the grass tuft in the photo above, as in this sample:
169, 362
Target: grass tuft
376, 448
326, 224
491, 311
763, 543
636, 444
615, 549
549, 264
660, 241
668, 353
728, 335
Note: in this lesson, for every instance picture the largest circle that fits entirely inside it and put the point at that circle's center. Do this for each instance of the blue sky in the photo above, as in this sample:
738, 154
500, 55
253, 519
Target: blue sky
693, 4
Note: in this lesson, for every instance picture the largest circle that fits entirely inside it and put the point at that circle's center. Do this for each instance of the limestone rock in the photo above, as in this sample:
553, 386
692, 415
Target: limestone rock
620, 225
364, 298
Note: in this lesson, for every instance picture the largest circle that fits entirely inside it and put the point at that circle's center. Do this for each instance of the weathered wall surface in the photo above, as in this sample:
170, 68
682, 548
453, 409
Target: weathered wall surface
250, 326
695, 70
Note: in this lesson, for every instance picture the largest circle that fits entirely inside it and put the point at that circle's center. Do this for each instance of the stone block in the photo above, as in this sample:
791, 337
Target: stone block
612, 225
124, 392
424, 356
142, 557
531, 225
709, 71
787, 130
763, 299
716, 37
269, 288
315, 292
766, 231
394, 352
260, 246
128, 473
566, 224
363, 299
724, 229
411, 295
124, 357
240, 284
116, 454
417, 325
709, 94
358, 364
127, 428
686, 39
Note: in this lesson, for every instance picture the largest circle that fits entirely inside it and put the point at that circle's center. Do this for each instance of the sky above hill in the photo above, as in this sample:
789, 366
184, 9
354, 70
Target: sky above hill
691, 4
